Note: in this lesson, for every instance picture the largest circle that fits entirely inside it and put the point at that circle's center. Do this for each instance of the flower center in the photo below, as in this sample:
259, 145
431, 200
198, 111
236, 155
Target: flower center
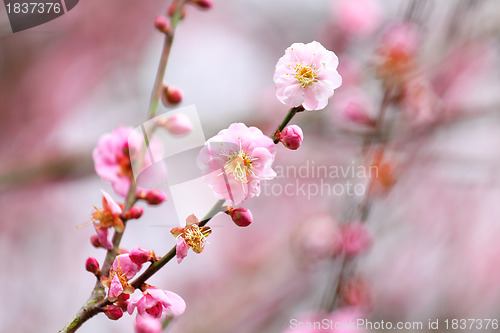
305, 74
104, 217
195, 237
239, 165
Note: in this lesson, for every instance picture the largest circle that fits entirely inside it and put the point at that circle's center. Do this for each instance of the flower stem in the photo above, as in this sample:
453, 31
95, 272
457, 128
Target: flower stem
165, 53
291, 113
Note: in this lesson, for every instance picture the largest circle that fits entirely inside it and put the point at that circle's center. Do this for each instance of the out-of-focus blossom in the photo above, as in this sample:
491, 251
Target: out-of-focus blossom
307, 75
112, 159
382, 173
122, 270
357, 17
398, 50
108, 216
351, 72
161, 23
419, 101
236, 160
318, 237
157, 302
355, 238
190, 236
115, 153
356, 292
291, 137
178, 124
147, 324
354, 106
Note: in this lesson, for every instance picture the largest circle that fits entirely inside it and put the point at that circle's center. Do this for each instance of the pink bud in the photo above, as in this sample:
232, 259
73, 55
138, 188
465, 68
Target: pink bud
204, 4
113, 312
171, 95
153, 197
292, 137
134, 213
147, 324
140, 255
178, 124
94, 239
173, 8
92, 265
355, 238
241, 216
161, 23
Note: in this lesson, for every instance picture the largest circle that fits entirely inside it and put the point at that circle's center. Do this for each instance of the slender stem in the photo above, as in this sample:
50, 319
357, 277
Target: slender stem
165, 53
291, 113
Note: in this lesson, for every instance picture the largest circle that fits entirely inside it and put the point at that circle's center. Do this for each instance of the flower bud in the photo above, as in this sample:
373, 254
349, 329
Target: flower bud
292, 137
153, 197
134, 213
113, 312
161, 23
92, 265
140, 255
171, 95
94, 239
241, 216
173, 8
178, 124
204, 4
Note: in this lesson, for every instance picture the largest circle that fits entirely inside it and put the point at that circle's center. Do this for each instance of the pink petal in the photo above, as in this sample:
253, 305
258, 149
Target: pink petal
181, 249
177, 304
112, 205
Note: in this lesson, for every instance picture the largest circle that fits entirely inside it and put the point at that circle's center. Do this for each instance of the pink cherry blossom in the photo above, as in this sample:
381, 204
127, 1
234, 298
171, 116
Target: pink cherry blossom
236, 160
115, 153
124, 263
307, 75
147, 324
181, 249
355, 106
108, 216
157, 302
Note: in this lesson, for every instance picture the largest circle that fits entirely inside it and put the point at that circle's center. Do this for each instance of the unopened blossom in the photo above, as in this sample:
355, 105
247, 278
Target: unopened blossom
179, 124
140, 255
147, 324
107, 217
157, 302
122, 270
115, 153
92, 266
241, 216
113, 312
192, 236
355, 238
291, 137
307, 75
171, 95
236, 160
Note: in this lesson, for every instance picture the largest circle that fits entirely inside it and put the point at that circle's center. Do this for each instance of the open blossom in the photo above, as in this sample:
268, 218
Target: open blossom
192, 236
236, 160
108, 216
115, 153
307, 75
157, 302
122, 270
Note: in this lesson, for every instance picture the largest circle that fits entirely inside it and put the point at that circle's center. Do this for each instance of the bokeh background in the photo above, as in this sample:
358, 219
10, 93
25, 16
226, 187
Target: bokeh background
435, 231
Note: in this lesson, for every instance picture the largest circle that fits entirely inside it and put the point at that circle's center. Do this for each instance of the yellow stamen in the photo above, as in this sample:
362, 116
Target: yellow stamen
305, 74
